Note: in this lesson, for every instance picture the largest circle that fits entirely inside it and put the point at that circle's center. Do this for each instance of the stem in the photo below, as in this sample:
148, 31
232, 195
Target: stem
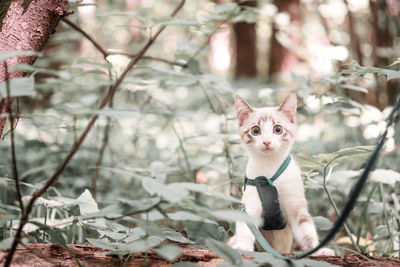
346, 228
185, 156
13, 157
79, 29
45, 222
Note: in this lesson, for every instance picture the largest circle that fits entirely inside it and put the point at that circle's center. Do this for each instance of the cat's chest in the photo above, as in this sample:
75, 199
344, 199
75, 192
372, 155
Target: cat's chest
256, 170
264, 166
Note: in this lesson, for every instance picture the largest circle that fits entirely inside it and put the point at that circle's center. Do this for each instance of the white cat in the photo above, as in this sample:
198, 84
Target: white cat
268, 134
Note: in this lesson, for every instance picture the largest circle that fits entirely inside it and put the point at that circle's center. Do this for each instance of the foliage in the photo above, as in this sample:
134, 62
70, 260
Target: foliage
159, 168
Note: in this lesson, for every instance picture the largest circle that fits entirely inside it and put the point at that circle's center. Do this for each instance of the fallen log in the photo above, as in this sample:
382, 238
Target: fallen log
46, 255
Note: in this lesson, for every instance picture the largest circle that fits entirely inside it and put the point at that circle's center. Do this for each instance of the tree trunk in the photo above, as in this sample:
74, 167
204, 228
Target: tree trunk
281, 59
26, 27
355, 40
245, 39
382, 37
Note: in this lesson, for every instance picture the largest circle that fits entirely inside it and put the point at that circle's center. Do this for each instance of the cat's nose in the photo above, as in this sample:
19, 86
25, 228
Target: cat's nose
266, 143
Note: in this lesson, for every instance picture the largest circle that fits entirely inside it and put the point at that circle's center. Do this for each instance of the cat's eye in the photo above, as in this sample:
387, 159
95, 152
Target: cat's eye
278, 129
255, 130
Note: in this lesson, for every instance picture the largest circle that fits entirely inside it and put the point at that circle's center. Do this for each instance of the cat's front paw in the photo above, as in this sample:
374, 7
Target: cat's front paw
237, 243
324, 252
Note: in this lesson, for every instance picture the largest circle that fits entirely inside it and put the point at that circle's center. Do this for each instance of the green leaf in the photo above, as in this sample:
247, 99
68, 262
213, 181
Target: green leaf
199, 231
204, 189
6, 243
18, 87
376, 208
101, 243
5, 218
382, 231
322, 223
168, 192
29, 68
309, 162
385, 176
194, 66
176, 216
234, 216
175, 236
136, 234
225, 8
335, 158
10, 54
87, 205
115, 113
169, 252
112, 234
142, 204
391, 74
181, 22
224, 251
354, 88
395, 62
144, 245
302, 81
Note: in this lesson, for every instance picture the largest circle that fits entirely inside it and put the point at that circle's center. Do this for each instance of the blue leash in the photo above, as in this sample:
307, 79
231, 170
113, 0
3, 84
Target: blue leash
262, 241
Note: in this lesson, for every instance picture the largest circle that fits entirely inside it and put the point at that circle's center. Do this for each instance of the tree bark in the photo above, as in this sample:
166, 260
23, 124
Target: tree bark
281, 59
382, 37
26, 28
246, 51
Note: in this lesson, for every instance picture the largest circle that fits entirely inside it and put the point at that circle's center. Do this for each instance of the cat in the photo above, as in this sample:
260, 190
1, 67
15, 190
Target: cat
268, 134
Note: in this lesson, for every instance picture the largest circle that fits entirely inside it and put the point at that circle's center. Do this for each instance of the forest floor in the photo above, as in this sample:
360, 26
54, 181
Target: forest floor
46, 255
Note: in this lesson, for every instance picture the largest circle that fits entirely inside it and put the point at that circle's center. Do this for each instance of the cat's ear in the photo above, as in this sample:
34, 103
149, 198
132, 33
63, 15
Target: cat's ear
243, 109
288, 106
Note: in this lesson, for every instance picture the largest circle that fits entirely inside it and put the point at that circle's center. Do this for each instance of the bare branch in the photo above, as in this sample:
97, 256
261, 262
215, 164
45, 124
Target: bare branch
184, 65
79, 29
76, 146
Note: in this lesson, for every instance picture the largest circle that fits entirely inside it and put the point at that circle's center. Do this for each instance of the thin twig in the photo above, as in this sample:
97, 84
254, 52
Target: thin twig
131, 55
107, 53
185, 156
13, 157
76, 146
101, 156
224, 130
91, 39
208, 99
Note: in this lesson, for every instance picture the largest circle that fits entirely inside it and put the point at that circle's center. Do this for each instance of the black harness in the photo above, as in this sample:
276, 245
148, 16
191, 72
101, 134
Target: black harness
271, 212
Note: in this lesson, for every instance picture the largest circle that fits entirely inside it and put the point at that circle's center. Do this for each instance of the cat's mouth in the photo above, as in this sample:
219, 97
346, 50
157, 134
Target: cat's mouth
266, 149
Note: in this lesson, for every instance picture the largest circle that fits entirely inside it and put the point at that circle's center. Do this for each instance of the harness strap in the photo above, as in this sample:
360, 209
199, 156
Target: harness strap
278, 173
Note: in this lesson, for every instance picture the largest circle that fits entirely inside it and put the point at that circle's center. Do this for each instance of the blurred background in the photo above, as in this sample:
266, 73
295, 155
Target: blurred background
173, 117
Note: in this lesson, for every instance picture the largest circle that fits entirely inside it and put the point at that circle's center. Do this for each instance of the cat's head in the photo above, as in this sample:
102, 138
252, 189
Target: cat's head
268, 130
